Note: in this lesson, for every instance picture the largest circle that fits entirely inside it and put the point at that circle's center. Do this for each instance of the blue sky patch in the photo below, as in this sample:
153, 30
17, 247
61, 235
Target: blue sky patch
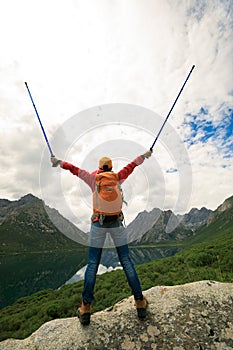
206, 128
171, 170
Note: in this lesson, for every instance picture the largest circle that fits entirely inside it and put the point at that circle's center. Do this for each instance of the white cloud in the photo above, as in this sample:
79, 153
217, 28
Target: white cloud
75, 55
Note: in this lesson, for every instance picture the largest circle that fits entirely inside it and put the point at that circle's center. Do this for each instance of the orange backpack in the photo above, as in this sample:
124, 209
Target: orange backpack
107, 197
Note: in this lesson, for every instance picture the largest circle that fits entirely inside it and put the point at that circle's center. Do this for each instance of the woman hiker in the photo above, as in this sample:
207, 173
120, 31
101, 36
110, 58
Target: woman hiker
107, 218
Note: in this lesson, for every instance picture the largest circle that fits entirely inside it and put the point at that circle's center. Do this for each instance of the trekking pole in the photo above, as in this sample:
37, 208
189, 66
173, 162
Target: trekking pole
171, 108
37, 114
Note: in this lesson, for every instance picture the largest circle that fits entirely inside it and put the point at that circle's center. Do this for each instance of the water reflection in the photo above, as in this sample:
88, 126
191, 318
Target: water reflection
25, 274
109, 259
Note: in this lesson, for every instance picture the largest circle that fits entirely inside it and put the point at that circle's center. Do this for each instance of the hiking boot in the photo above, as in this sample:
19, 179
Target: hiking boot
141, 306
84, 313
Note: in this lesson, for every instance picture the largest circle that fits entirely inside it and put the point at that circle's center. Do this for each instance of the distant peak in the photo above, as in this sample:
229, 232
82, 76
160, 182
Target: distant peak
28, 198
228, 203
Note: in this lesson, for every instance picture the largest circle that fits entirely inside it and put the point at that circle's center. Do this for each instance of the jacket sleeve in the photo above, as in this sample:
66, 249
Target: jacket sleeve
128, 169
84, 175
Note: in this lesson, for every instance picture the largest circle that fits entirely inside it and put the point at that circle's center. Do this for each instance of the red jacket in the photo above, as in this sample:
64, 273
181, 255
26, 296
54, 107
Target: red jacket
89, 178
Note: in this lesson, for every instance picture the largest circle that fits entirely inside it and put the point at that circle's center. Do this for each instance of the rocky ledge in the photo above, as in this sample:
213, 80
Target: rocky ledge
195, 316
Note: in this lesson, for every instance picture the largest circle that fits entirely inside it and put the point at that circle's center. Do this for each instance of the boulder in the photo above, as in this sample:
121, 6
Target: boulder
195, 316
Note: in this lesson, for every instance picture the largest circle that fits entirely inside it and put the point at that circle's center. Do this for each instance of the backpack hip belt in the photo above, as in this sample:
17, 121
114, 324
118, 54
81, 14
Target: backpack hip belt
106, 218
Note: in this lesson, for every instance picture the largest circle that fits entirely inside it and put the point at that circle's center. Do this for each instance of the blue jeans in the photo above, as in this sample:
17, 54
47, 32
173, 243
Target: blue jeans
97, 239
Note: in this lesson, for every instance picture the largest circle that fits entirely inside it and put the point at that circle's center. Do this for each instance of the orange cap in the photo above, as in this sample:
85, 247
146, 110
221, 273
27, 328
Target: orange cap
105, 161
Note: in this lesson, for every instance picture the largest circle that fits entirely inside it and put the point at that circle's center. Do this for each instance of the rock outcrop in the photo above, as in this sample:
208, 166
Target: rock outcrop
195, 316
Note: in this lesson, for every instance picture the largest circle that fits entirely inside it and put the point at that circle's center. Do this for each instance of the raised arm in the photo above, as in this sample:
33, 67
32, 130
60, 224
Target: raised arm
84, 175
128, 169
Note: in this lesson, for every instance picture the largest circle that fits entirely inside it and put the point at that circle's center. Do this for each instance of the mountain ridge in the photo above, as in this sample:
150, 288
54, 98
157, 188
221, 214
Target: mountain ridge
25, 226
152, 227
161, 226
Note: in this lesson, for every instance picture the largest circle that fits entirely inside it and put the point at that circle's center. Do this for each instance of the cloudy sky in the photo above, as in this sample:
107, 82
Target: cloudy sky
103, 75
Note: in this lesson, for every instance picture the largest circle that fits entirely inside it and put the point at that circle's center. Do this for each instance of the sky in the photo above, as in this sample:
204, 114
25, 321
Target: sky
104, 75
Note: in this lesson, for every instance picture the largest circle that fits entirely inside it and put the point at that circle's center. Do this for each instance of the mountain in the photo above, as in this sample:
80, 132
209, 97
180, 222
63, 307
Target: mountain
195, 217
219, 224
161, 226
35, 254
199, 225
227, 204
25, 226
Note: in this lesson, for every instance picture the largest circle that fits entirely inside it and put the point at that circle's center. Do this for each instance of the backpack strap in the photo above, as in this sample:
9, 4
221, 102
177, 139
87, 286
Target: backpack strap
122, 194
97, 189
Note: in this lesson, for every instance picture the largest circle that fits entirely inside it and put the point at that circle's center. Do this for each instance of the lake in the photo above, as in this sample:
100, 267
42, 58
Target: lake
25, 274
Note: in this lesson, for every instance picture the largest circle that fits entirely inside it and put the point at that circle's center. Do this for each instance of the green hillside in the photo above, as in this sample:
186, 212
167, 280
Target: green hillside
219, 226
26, 227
